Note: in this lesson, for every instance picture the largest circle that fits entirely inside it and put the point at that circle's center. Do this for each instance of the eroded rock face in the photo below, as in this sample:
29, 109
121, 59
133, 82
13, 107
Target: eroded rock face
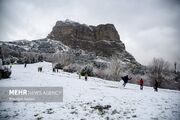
103, 39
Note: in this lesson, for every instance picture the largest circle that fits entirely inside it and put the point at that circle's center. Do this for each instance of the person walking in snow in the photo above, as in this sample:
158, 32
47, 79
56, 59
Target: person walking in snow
54, 70
25, 65
125, 79
39, 69
79, 75
141, 83
86, 75
10, 66
156, 86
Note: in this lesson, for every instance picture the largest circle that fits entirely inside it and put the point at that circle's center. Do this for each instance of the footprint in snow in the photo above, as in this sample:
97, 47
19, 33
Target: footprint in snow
49, 111
35, 115
39, 118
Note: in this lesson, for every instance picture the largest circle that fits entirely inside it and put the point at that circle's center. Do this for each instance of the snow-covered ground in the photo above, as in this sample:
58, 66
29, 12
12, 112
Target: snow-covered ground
81, 96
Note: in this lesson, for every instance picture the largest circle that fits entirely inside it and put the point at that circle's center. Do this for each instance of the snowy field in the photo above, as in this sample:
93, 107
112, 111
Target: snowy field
81, 96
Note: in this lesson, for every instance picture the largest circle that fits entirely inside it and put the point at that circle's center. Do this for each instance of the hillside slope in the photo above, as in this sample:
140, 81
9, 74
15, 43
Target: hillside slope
80, 96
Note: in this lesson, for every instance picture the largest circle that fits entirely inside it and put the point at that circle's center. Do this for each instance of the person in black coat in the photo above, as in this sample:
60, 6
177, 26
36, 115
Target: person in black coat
125, 79
25, 65
86, 75
156, 86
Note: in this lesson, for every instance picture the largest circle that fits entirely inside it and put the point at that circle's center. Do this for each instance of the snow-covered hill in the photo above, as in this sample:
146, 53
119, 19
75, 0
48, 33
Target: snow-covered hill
81, 96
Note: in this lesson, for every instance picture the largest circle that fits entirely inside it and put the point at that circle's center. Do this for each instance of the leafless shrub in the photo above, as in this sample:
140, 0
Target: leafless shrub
30, 57
115, 68
72, 68
101, 73
87, 69
159, 70
62, 58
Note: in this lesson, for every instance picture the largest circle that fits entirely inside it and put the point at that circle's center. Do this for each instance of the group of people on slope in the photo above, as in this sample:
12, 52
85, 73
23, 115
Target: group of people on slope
39, 68
141, 82
124, 78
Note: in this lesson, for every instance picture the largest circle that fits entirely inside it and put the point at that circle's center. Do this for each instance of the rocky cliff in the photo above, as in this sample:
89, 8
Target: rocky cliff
102, 39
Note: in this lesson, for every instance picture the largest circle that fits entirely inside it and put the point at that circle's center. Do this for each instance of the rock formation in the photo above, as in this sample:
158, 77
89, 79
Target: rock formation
102, 39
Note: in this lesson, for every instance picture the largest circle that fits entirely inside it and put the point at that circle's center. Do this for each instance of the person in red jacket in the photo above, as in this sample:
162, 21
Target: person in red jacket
141, 83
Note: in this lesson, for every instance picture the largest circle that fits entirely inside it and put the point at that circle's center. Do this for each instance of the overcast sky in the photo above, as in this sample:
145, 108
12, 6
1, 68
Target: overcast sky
149, 28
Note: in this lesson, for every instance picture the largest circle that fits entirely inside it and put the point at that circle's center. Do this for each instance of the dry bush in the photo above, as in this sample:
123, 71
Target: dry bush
72, 68
63, 59
115, 69
29, 57
88, 69
159, 70
101, 73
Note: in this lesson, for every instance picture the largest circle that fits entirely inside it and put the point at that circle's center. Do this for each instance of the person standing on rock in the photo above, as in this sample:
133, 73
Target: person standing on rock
125, 79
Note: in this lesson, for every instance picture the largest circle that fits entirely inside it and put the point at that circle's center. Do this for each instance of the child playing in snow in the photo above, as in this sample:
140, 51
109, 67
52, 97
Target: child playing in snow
141, 82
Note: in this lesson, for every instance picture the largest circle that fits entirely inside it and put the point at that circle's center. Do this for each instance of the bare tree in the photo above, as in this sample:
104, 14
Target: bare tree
115, 68
30, 57
158, 70
62, 58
